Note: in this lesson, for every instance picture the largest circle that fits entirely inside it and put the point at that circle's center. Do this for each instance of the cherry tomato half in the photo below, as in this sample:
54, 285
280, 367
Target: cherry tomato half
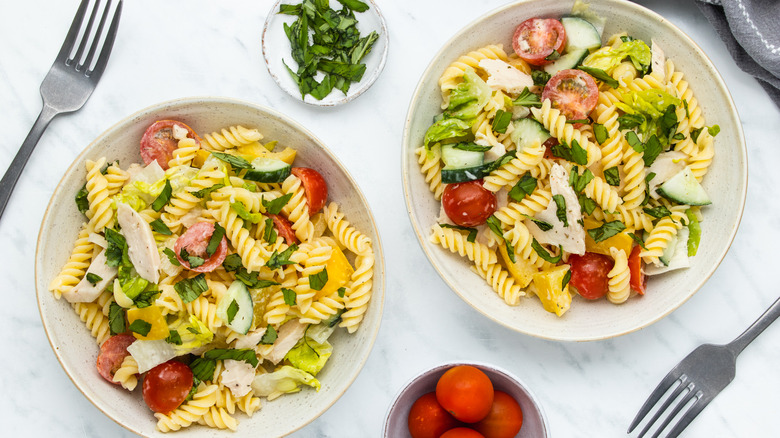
112, 353
638, 277
573, 92
284, 228
166, 386
504, 420
427, 419
589, 274
196, 241
158, 143
462, 432
468, 204
314, 186
536, 38
465, 392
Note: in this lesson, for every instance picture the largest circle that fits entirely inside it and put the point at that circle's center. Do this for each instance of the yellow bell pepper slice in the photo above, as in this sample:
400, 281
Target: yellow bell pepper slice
339, 273
521, 269
200, 157
153, 316
555, 298
256, 150
618, 241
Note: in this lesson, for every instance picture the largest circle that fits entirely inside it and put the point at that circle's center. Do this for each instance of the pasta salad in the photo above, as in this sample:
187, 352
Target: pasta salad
572, 164
215, 272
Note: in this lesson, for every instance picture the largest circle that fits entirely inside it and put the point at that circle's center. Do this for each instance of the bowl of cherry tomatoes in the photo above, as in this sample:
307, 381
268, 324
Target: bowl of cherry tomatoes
465, 400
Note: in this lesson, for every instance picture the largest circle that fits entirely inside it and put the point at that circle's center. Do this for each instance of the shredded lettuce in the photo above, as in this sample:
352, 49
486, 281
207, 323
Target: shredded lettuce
309, 356
131, 283
285, 380
469, 97
648, 102
193, 334
607, 58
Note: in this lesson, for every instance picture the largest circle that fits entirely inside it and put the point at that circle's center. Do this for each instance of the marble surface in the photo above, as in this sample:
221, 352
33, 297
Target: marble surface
178, 48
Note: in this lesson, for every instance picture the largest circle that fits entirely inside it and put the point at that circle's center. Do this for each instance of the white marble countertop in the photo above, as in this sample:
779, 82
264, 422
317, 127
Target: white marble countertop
179, 48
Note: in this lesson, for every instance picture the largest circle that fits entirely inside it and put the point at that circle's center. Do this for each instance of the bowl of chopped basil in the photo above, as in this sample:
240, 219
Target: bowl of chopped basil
324, 55
575, 187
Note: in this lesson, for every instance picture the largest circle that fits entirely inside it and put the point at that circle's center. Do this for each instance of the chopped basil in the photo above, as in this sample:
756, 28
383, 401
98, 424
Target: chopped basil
232, 262
526, 98
244, 213
667, 123
575, 153
575, 121
586, 204
600, 74
159, 226
612, 176
501, 121
638, 240
269, 232
493, 165
290, 297
652, 149
626, 38
277, 260
634, 141
270, 335
495, 226
317, 281
560, 212
472, 147
629, 121
202, 193
606, 231
116, 318
600, 132
525, 186
234, 161
544, 254
544, 226
145, 299
82, 202
472, 236
190, 289
203, 369
193, 261
93, 278
566, 279
553, 56
173, 337
658, 212
140, 326
275, 206
342, 291
215, 240
679, 136
231, 311
252, 279
540, 77
171, 257
577, 181
116, 252
649, 177
163, 197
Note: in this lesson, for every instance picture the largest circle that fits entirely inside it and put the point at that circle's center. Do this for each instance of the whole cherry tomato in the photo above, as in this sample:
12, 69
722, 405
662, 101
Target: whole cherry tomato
535, 39
504, 420
589, 274
573, 92
462, 432
166, 386
465, 392
638, 278
313, 186
468, 204
427, 419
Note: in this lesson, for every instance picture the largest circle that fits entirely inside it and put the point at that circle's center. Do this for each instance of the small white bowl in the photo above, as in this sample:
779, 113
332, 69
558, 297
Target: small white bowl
277, 53
76, 349
534, 418
726, 181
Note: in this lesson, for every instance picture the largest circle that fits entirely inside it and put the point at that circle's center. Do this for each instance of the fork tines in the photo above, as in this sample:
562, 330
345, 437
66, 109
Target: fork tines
678, 389
74, 51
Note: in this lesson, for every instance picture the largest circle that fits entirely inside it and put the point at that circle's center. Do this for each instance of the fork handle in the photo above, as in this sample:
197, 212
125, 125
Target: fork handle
11, 176
763, 321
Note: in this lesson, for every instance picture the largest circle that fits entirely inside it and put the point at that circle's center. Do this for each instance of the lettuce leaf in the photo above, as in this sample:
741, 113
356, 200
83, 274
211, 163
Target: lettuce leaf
193, 334
469, 97
285, 380
446, 128
131, 283
309, 356
607, 58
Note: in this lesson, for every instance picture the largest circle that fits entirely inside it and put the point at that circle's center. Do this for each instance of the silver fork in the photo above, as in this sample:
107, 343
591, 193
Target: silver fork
698, 378
70, 81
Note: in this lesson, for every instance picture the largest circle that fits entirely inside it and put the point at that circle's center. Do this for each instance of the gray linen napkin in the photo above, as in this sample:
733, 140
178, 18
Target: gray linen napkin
751, 31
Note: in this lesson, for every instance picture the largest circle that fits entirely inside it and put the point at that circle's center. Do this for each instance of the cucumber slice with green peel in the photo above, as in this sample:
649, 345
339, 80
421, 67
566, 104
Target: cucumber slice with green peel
461, 165
580, 34
675, 256
528, 132
684, 189
571, 59
669, 251
268, 170
236, 308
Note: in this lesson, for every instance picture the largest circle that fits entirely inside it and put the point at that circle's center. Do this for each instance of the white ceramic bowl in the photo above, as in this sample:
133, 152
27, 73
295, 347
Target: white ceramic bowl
276, 52
76, 349
534, 419
726, 181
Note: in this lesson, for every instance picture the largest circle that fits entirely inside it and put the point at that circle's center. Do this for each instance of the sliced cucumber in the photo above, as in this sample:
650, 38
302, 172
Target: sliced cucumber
268, 170
528, 132
571, 59
236, 308
684, 189
669, 251
461, 165
679, 255
580, 34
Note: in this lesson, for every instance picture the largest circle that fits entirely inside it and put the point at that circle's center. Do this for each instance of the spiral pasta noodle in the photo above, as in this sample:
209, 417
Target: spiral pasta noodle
555, 122
100, 213
455, 242
231, 137
619, 277
127, 373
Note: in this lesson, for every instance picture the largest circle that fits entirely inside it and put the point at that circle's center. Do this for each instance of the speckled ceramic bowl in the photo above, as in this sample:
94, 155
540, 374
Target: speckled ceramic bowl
75, 348
726, 181
534, 419
277, 53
